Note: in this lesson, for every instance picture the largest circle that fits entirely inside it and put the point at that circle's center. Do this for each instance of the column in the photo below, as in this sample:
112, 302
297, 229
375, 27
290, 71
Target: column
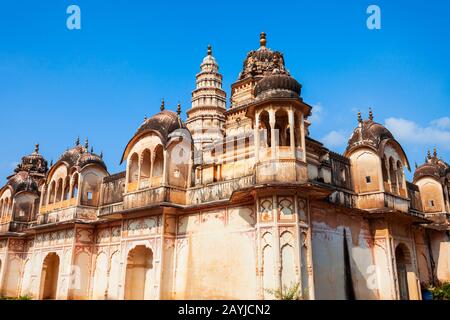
256, 134
165, 168
302, 135
80, 183
386, 164
63, 186
292, 131
272, 132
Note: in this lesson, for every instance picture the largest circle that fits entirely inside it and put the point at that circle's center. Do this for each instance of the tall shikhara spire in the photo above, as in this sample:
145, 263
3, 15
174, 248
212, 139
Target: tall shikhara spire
209, 92
206, 116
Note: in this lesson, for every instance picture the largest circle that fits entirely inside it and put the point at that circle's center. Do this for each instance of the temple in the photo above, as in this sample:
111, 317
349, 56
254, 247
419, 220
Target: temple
233, 203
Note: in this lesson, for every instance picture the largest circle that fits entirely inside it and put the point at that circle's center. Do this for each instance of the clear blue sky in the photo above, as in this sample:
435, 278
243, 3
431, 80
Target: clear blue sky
100, 81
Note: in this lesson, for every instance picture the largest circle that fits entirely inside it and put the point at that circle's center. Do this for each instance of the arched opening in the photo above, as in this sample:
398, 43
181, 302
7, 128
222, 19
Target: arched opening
66, 193
281, 127
393, 174
158, 166
139, 273
49, 277
403, 261
52, 192
264, 129
90, 189
145, 168
75, 185
133, 172
59, 190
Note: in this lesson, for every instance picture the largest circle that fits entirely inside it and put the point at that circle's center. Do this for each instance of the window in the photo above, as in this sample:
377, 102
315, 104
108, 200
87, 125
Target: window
431, 203
89, 195
343, 175
368, 179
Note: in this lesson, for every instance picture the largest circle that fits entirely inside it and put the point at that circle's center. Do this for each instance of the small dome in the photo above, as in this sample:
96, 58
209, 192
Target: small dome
369, 133
278, 85
433, 167
164, 123
23, 181
80, 156
262, 62
34, 163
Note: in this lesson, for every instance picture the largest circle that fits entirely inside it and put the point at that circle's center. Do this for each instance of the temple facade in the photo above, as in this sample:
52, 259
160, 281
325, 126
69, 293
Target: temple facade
233, 203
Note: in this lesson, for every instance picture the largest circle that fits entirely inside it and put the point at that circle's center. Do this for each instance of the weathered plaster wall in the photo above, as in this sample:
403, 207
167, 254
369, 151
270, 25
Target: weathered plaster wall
215, 255
328, 254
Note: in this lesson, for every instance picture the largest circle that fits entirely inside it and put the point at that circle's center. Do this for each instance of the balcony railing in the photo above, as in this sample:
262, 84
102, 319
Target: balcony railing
110, 209
68, 214
13, 226
384, 200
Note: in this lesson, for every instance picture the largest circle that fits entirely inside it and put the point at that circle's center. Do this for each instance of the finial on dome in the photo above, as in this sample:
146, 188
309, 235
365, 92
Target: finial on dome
209, 50
435, 152
145, 118
77, 141
101, 154
370, 114
262, 39
429, 154
86, 143
179, 109
51, 163
416, 165
359, 117
162, 104
92, 149
36, 148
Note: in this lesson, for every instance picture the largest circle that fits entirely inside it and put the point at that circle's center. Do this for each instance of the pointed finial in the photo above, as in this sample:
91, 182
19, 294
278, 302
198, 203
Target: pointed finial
359, 116
36, 148
435, 152
162, 104
51, 162
209, 50
101, 154
370, 114
429, 154
145, 118
179, 109
86, 143
416, 165
92, 149
262, 39
77, 142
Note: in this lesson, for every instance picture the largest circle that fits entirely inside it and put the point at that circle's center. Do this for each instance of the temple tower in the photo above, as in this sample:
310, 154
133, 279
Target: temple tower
206, 116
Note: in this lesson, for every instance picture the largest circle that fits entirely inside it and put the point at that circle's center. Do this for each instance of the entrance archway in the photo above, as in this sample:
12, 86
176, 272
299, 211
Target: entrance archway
138, 273
49, 276
403, 260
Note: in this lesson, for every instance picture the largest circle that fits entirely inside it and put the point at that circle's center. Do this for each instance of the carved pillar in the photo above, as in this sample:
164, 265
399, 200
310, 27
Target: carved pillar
302, 136
256, 133
165, 173
63, 186
292, 131
272, 131
386, 164
80, 183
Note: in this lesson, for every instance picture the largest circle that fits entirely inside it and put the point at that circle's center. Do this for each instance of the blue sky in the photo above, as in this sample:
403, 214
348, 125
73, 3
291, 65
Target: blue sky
99, 82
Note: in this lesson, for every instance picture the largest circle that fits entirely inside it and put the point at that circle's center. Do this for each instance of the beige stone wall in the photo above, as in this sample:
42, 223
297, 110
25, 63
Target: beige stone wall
215, 255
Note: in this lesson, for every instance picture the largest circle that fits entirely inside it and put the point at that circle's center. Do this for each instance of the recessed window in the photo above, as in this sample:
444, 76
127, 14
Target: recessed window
343, 175
431, 203
368, 179
89, 195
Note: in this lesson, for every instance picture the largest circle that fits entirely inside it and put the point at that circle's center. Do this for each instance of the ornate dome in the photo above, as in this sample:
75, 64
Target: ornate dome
80, 156
368, 133
34, 163
433, 167
262, 62
23, 181
164, 123
279, 85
